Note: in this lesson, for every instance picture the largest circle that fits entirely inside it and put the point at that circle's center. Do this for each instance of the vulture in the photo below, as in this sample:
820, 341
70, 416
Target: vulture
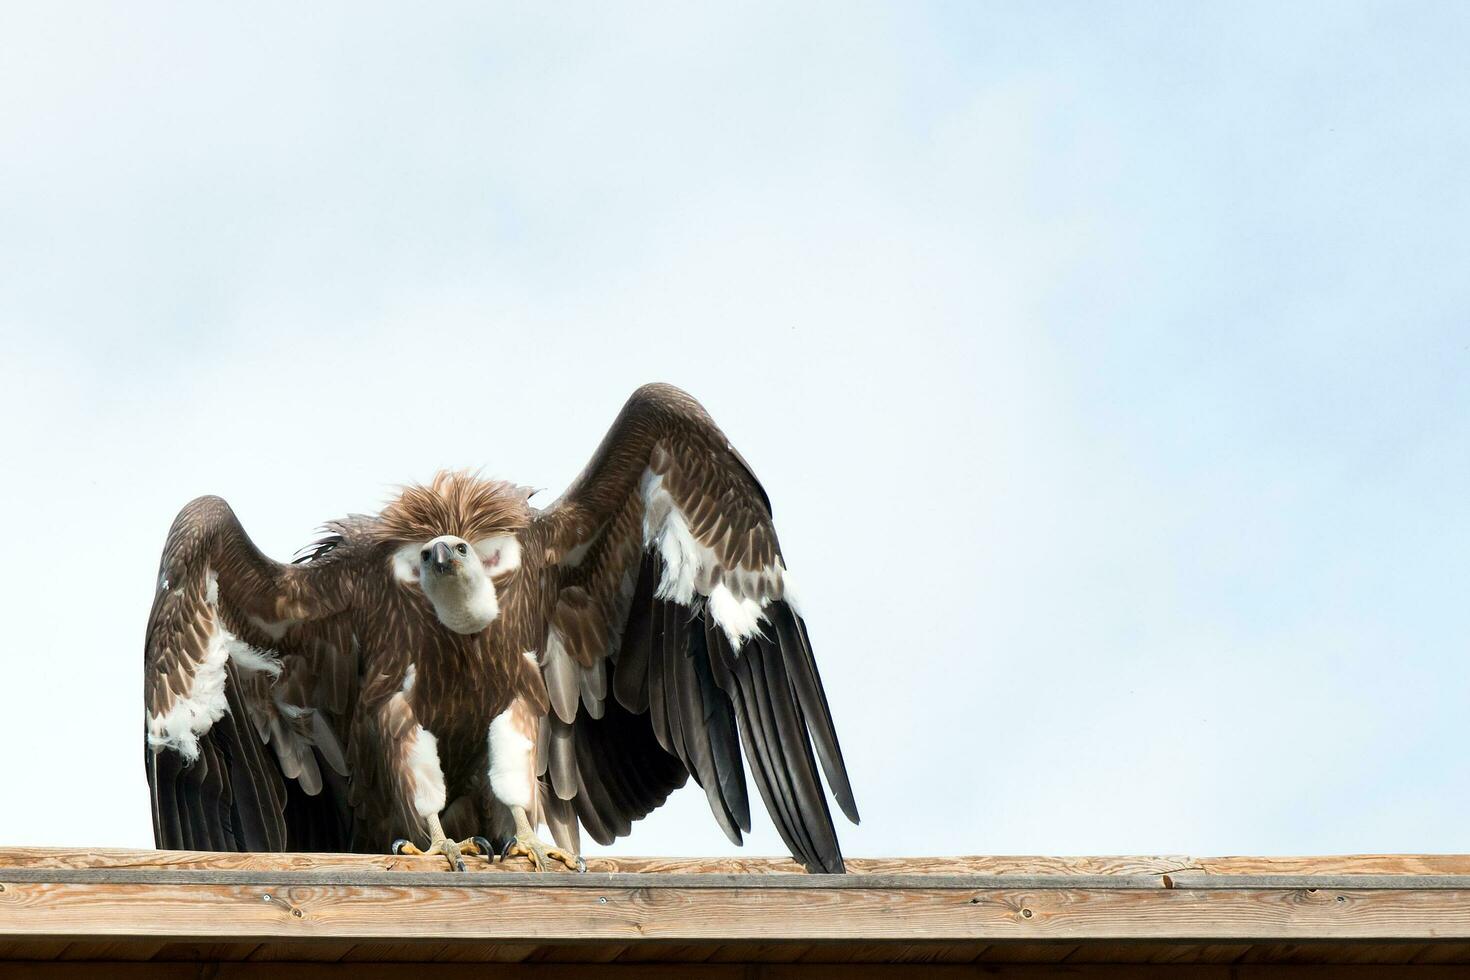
464, 668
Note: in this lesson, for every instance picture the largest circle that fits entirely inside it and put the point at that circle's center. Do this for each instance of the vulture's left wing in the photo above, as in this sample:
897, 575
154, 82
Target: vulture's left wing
249, 675
676, 640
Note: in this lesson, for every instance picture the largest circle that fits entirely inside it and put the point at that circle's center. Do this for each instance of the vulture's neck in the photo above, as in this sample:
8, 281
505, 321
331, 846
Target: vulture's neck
466, 605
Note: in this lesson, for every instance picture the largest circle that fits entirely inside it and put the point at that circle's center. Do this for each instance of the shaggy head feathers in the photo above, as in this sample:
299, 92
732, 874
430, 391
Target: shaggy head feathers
456, 502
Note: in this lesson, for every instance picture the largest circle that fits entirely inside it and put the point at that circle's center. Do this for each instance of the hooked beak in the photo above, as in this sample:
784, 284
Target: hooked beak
441, 558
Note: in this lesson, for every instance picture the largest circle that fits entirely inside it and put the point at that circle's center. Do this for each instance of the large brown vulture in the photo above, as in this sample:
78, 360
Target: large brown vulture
463, 667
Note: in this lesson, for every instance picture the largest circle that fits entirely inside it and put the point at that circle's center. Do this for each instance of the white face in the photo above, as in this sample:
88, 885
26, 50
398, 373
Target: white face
455, 575
447, 555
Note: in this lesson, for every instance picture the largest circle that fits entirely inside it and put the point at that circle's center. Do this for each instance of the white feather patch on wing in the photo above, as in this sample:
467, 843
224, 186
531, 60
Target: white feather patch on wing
790, 594
251, 659
246, 657
665, 528
736, 596
739, 618
423, 766
192, 715
512, 759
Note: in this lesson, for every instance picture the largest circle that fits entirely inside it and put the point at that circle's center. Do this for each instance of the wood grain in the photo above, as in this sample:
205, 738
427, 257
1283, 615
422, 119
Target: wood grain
1415, 864
55, 857
551, 914
337, 913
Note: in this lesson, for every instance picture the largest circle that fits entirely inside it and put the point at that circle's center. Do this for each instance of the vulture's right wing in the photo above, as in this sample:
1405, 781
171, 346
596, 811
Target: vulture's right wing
676, 642
249, 677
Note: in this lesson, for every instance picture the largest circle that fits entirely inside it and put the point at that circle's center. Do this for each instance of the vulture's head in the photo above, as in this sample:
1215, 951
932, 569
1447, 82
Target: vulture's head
453, 575
454, 538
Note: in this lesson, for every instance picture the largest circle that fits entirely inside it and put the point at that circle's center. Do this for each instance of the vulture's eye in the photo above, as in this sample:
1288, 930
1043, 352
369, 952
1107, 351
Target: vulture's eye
425, 554
462, 548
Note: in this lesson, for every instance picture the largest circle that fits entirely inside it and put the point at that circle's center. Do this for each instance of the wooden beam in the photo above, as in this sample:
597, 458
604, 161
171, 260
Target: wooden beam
671, 913
1394, 864
698, 971
351, 902
55, 857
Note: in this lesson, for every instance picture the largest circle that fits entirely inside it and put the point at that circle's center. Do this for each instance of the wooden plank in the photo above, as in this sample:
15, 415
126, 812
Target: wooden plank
699, 971
1413, 864
55, 857
1069, 953
601, 881
1358, 864
677, 914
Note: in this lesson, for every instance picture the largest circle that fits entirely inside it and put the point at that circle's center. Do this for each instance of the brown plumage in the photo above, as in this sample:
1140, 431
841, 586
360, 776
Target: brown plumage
458, 503
462, 654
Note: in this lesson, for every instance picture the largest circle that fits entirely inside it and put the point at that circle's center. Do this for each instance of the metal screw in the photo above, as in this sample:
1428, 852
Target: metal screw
602, 900
296, 912
265, 898
1026, 913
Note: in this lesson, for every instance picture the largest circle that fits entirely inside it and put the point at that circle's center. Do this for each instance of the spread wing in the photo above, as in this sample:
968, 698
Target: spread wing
249, 678
676, 640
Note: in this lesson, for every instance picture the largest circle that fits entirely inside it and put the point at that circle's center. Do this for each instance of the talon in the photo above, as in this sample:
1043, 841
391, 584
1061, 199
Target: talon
450, 850
404, 846
581, 865
534, 850
476, 845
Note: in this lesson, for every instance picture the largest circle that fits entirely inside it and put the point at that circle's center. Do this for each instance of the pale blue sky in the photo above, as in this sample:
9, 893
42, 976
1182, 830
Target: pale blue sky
1108, 366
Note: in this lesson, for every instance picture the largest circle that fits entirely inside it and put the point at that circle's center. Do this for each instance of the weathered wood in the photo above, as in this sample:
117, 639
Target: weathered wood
1386, 864
547, 913
182, 911
55, 857
1390, 864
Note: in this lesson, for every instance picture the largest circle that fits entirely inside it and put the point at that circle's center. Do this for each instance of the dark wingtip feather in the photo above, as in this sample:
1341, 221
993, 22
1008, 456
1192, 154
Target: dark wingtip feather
796, 650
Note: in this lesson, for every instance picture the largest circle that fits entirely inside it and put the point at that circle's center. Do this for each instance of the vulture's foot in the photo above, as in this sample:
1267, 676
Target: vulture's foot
453, 851
529, 846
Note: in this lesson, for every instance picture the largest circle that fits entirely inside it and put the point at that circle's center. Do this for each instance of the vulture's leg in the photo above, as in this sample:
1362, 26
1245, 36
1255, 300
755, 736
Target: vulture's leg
526, 844
453, 851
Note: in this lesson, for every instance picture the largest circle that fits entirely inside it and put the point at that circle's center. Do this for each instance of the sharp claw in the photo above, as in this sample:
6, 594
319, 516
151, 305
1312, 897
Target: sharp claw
458, 864
399, 845
541, 856
482, 846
